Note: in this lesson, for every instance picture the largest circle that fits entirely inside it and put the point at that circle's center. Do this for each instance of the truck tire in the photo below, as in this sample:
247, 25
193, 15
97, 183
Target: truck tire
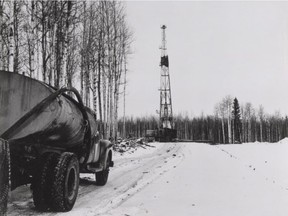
66, 182
42, 181
102, 177
4, 175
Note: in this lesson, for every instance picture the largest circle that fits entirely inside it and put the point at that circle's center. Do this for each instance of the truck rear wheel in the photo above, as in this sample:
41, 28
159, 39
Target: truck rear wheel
42, 180
66, 182
102, 177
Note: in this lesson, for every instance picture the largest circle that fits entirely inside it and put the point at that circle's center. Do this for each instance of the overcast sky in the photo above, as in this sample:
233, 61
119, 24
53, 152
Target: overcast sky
215, 49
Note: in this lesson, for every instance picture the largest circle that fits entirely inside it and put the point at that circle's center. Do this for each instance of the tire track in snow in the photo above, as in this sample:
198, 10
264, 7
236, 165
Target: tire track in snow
130, 179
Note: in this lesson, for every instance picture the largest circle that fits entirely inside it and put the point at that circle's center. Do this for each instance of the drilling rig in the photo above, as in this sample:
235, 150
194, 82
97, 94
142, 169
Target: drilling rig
166, 131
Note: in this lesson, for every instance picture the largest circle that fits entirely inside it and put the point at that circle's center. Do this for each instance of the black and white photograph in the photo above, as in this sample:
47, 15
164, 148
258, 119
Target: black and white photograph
143, 108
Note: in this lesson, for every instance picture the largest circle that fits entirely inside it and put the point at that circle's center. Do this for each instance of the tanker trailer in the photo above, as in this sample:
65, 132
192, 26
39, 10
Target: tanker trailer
52, 138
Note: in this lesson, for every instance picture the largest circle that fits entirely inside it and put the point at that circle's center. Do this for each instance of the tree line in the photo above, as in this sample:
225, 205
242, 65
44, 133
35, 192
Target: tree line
230, 123
81, 44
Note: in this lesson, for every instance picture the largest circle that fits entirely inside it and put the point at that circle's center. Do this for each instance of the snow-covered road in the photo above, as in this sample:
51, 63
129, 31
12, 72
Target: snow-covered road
185, 179
130, 174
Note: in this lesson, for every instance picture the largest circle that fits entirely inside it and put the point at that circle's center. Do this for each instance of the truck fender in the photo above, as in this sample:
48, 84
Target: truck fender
105, 150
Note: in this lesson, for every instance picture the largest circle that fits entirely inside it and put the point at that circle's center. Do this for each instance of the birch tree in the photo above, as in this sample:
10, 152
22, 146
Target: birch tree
228, 107
17, 5
261, 120
6, 33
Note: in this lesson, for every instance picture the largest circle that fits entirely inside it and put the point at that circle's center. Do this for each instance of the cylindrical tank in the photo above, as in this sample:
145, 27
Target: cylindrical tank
60, 124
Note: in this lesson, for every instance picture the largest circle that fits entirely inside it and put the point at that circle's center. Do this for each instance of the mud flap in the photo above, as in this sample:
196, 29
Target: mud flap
4, 175
111, 164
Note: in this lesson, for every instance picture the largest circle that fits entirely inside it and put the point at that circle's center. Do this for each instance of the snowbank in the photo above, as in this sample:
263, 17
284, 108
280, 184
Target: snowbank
139, 150
284, 141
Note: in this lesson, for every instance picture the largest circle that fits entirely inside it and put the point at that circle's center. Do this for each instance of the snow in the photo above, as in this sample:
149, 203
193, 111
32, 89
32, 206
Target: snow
250, 179
285, 140
140, 151
129, 176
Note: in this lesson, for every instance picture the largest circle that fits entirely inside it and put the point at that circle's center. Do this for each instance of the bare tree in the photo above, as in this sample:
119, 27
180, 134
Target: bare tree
228, 101
261, 120
222, 114
16, 25
6, 33
248, 113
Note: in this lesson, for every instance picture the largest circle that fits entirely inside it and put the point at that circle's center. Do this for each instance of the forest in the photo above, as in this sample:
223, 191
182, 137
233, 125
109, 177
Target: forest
230, 123
81, 44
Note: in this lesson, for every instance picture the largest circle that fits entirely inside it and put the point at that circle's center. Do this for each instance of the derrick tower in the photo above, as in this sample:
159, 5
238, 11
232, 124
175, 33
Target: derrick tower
166, 114
166, 131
